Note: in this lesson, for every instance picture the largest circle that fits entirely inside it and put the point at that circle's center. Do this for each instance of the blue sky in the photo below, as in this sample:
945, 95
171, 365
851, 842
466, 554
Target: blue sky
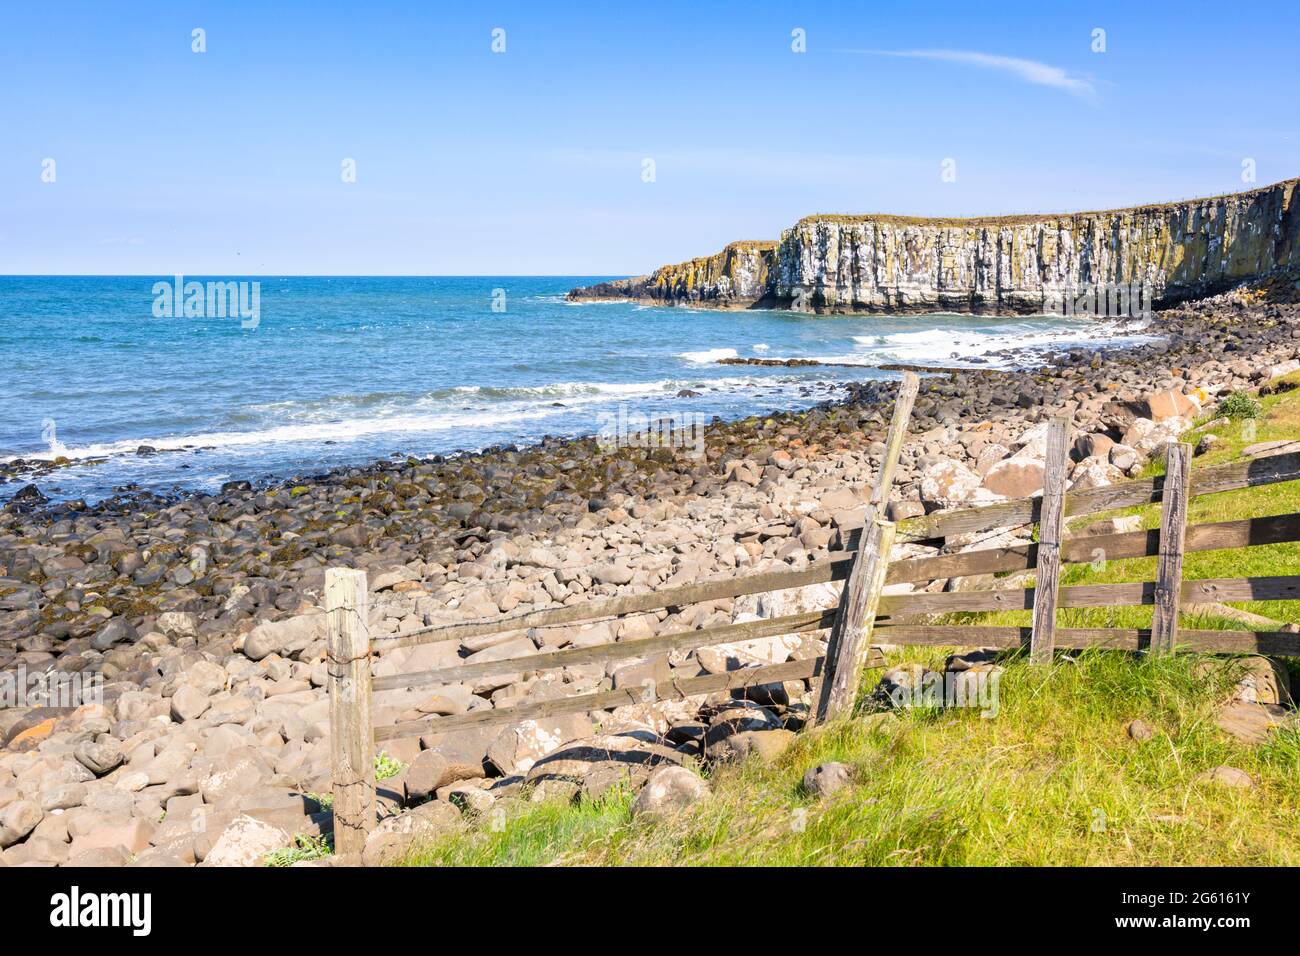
531, 161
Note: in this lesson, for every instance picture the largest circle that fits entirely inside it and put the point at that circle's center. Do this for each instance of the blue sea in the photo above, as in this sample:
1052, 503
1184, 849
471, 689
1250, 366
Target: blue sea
341, 371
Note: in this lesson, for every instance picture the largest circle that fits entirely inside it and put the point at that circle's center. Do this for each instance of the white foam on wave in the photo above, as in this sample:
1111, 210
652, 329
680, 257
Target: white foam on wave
940, 346
708, 356
470, 408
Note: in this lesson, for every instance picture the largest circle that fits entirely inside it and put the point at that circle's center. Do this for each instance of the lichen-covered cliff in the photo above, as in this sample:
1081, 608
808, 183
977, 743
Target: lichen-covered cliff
1008, 264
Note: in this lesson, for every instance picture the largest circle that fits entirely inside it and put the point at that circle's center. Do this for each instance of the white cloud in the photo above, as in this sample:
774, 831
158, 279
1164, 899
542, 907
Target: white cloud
1031, 71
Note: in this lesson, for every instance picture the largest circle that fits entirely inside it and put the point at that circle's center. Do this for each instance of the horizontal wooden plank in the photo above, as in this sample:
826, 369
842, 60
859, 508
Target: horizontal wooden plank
1285, 588
1123, 494
818, 573
1280, 643
1216, 536
621, 650
604, 700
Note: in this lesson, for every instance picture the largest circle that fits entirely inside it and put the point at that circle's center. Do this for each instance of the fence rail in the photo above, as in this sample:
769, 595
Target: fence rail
863, 608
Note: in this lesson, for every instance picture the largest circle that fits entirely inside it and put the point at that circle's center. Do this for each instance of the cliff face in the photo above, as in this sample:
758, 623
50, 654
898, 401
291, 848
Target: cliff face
739, 276
1011, 264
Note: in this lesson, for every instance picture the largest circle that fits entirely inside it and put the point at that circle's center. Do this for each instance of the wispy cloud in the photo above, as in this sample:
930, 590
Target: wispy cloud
1030, 71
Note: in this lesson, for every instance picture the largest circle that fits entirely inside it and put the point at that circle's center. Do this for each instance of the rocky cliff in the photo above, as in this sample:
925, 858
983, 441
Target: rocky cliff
1007, 264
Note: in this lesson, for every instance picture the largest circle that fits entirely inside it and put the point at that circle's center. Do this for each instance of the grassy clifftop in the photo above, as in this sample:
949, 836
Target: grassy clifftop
995, 264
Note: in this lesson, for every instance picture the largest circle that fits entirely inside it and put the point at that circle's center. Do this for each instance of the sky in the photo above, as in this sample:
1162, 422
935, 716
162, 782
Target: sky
601, 139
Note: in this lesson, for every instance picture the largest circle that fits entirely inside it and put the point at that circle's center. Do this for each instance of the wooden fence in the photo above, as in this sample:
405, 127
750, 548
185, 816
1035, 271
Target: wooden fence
865, 567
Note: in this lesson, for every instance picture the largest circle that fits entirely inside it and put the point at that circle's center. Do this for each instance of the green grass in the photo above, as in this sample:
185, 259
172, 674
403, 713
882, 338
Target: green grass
1053, 779
304, 848
1240, 404
387, 767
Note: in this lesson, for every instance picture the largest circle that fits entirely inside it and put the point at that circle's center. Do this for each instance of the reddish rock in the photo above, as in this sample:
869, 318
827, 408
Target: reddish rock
1171, 403
1016, 477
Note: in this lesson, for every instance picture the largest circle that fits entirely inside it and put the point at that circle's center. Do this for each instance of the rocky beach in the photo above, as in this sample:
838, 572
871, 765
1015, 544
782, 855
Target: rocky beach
194, 622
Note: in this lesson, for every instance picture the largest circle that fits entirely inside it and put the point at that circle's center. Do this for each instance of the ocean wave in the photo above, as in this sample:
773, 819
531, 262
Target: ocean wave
945, 346
316, 432
469, 408
708, 356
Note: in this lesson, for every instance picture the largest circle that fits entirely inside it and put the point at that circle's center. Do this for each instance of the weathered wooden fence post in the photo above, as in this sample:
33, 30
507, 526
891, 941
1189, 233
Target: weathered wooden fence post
846, 652
1051, 520
352, 741
1173, 532
850, 637
903, 403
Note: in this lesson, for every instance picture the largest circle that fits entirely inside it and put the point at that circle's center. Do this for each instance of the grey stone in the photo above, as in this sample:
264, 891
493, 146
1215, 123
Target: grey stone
669, 789
827, 778
99, 757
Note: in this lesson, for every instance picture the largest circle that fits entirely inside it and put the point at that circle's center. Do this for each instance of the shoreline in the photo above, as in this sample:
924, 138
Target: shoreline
449, 496
43, 468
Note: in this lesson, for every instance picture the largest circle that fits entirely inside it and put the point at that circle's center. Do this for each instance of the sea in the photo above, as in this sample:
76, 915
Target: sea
151, 387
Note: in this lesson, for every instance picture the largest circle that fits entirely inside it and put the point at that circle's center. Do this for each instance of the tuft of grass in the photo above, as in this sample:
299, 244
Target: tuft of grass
387, 767
304, 848
1240, 404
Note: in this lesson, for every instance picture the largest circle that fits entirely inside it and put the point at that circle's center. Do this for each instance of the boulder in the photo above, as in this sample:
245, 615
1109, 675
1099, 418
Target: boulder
620, 754
507, 650
517, 748
117, 630
1095, 445
464, 750
1249, 722
1226, 777
767, 745
133, 837
246, 842
1139, 730
1016, 477
902, 510
989, 456
17, 820
948, 484
178, 623
1170, 403
1119, 525
1095, 472
188, 703
99, 757
1263, 680
668, 790
827, 778
1146, 436
397, 834
613, 573
286, 638
740, 716
425, 774
1126, 459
